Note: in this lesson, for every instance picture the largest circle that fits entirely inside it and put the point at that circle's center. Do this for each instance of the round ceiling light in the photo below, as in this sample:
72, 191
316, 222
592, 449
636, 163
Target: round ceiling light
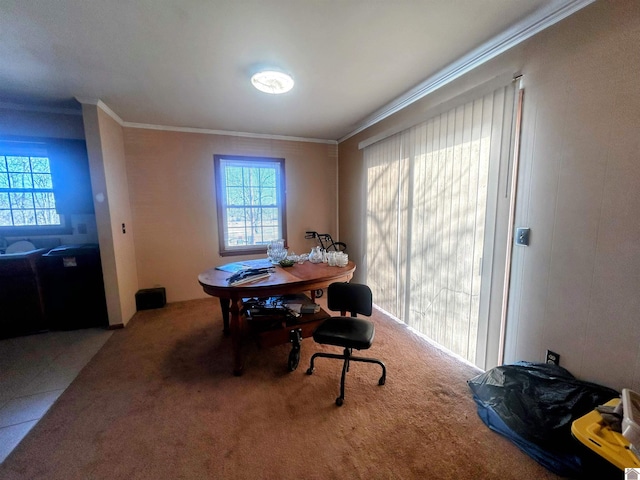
271, 81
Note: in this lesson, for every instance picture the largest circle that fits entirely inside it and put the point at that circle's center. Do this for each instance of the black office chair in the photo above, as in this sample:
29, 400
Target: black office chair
347, 332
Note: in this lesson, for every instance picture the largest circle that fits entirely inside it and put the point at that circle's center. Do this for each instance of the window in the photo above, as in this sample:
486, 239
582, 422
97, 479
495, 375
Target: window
27, 198
251, 203
43, 182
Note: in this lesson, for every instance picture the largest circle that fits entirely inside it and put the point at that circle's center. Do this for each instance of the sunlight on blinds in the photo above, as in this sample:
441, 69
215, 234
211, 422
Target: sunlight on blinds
427, 193
386, 220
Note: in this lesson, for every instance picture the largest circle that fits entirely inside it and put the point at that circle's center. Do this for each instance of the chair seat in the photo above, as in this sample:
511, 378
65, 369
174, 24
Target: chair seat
347, 332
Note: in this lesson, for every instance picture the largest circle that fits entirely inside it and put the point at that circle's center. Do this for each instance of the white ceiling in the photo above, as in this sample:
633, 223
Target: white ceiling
187, 63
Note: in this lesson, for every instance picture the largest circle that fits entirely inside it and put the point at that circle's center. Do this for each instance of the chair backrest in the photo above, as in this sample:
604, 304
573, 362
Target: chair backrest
350, 297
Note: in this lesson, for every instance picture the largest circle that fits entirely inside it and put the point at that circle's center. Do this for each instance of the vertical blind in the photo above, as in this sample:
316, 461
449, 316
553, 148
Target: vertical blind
427, 192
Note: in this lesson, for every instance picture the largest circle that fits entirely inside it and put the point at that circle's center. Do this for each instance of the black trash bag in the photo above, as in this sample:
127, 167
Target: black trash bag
534, 405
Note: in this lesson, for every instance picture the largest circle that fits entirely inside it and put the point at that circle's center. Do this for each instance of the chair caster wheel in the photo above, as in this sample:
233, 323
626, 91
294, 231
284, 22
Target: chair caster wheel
294, 359
381, 381
309, 371
339, 401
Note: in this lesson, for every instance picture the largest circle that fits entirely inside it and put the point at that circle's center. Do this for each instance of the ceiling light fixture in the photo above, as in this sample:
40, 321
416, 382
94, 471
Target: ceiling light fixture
272, 81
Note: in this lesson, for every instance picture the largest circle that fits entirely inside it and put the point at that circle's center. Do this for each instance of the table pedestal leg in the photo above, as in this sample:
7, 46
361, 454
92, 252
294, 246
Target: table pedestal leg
236, 338
224, 306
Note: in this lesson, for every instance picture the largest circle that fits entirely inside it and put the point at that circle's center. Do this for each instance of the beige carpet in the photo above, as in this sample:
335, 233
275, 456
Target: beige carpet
159, 402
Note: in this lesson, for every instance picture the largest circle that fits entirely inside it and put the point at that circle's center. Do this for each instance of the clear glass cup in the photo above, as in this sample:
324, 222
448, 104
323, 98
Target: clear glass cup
342, 259
276, 251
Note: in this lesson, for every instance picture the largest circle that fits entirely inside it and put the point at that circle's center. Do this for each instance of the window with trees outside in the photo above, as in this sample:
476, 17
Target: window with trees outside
26, 191
251, 203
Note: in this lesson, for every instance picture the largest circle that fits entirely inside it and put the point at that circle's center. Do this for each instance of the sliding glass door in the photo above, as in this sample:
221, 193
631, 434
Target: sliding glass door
433, 193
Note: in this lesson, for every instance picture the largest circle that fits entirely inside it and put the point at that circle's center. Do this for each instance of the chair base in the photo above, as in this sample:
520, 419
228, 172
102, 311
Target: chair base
347, 357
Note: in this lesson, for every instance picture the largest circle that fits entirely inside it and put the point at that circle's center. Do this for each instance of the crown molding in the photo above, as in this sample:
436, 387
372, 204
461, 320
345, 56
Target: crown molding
99, 103
103, 106
556, 11
228, 133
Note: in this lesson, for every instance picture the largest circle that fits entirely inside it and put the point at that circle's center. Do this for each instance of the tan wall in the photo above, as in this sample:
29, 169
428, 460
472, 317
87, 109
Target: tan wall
111, 199
172, 192
120, 210
575, 289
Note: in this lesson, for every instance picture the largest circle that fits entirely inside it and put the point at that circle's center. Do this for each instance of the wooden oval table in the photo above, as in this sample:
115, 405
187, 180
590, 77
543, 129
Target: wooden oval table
300, 278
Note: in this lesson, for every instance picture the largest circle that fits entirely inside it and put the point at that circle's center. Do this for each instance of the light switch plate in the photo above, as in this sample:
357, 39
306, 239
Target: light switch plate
522, 236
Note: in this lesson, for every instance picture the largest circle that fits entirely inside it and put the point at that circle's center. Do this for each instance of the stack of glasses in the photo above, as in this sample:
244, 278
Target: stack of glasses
337, 259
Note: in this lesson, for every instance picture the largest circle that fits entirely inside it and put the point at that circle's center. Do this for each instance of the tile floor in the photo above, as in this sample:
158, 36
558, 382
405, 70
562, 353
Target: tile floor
34, 371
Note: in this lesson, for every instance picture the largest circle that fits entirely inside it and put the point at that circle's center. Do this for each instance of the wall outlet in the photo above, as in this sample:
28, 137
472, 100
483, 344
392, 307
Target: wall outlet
552, 357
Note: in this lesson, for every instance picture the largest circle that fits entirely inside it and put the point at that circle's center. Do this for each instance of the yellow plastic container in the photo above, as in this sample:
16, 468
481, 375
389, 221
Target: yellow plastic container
591, 431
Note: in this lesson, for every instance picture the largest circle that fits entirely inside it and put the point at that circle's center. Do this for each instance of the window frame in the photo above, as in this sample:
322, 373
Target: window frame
281, 201
16, 146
